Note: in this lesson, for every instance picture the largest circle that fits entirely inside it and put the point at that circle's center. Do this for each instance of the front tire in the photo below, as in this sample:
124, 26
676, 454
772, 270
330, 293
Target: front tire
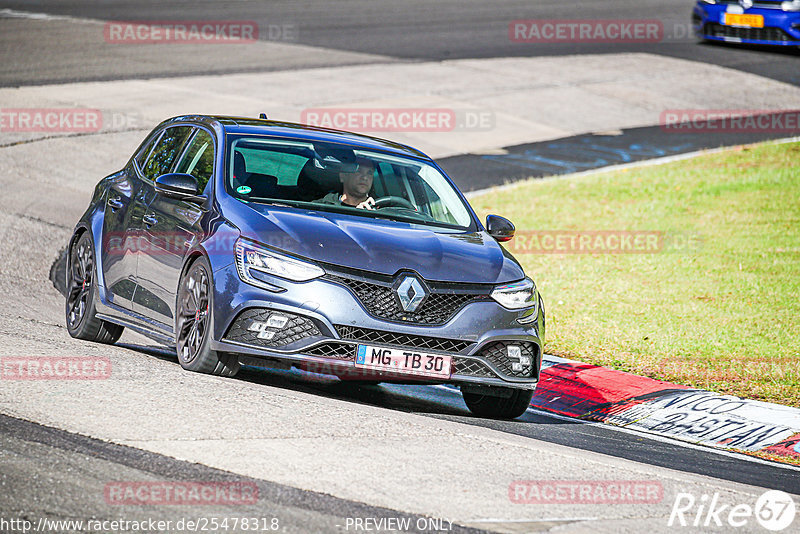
193, 320
82, 292
510, 405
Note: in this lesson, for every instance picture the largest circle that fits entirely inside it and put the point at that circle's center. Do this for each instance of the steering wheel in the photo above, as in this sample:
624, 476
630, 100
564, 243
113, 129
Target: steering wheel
385, 202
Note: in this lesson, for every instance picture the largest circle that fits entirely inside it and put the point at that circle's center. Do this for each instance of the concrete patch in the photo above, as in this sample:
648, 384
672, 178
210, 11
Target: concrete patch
525, 99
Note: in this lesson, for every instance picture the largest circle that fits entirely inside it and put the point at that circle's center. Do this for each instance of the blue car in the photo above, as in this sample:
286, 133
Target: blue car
760, 22
253, 242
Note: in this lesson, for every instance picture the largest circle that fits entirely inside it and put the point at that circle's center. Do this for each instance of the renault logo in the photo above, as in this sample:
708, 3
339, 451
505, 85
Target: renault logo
410, 292
747, 4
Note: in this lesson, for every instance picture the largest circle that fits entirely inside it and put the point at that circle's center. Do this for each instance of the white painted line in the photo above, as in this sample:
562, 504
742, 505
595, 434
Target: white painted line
16, 14
631, 165
558, 359
649, 435
544, 520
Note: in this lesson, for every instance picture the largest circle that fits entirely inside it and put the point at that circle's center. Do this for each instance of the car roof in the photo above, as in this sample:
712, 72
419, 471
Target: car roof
246, 125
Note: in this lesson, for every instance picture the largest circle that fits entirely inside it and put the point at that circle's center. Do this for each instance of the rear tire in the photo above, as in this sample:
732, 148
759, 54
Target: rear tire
82, 292
193, 322
497, 407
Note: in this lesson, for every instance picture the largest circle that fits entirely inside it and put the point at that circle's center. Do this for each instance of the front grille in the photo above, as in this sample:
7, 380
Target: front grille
760, 4
497, 353
333, 349
753, 34
465, 367
439, 306
366, 335
296, 329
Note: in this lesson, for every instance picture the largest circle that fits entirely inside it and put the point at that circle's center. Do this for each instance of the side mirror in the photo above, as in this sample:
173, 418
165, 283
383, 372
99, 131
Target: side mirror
500, 228
179, 186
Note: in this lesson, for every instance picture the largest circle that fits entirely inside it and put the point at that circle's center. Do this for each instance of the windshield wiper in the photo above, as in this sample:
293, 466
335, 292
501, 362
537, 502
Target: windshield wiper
270, 202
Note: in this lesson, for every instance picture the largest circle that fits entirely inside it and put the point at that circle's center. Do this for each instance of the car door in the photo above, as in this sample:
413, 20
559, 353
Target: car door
122, 221
171, 227
160, 161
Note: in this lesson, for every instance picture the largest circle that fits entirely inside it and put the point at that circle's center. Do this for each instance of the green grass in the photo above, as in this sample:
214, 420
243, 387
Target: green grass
722, 314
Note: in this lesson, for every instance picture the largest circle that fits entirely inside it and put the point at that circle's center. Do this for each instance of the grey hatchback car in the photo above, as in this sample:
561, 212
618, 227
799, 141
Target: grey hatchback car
256, 242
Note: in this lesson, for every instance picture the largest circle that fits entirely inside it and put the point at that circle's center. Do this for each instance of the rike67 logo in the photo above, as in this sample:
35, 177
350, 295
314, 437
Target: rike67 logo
774, 510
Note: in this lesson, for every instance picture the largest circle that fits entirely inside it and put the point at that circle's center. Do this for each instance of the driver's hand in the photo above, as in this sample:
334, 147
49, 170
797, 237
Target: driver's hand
368, 204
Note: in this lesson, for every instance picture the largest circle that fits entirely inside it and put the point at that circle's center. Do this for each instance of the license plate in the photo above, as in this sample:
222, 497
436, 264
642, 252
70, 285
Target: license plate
747, 21
403, 361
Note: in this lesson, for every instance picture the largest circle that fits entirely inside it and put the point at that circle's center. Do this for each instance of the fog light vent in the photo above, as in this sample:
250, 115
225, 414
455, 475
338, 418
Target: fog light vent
515, 356
518, 361
277, 321
259, 326
268, 329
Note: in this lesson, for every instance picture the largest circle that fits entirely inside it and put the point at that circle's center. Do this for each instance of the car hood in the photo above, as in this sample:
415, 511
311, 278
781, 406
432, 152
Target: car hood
379, 245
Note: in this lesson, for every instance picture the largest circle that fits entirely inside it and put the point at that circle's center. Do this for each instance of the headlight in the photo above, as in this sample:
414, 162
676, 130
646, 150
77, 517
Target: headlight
516, 296
794, 5
252, 259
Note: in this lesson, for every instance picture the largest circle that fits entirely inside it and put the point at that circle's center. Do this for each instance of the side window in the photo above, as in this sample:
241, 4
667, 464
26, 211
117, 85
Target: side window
198, 160
142, 156
165, 152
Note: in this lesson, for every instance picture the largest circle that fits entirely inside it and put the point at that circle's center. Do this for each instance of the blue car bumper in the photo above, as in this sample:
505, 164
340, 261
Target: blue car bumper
328, 322
779, 27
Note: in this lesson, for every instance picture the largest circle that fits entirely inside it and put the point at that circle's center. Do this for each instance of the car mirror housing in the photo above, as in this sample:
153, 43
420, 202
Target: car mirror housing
179, 186
500, 228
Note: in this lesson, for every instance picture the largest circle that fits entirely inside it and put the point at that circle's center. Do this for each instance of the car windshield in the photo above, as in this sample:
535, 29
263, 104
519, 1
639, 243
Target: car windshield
336, 177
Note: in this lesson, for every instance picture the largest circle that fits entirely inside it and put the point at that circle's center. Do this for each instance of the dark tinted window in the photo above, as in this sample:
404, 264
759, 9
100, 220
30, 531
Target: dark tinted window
142, 156
166, 150
198, 160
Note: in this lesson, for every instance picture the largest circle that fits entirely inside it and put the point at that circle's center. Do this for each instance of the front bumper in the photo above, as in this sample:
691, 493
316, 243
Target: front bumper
781, 28
327, 321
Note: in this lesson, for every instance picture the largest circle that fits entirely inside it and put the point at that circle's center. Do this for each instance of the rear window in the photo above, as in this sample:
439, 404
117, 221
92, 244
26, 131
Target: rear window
285, 167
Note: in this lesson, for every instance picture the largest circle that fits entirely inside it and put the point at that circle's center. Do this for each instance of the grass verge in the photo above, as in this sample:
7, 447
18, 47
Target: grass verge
712, 299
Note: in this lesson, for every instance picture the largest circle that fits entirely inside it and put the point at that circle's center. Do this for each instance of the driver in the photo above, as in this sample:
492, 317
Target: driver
355, 187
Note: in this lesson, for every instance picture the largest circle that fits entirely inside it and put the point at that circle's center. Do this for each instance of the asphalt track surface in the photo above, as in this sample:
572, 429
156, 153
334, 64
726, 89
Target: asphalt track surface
59, 469
61, 472
446, 403
55, 469
585, 152
409, 30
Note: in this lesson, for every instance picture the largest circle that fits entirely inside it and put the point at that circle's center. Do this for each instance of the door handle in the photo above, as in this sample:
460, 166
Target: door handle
115, 203
149, 220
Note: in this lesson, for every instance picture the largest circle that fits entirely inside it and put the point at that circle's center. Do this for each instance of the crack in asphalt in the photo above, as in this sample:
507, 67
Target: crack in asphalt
72, 136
